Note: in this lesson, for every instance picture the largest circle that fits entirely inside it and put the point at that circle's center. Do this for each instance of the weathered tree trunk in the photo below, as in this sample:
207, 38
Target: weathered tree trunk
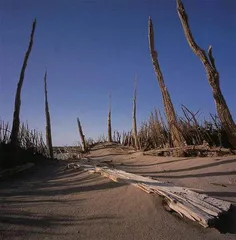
176, 135
208, 62
135, 132
48, 121
16, 115
109, 120
81, 136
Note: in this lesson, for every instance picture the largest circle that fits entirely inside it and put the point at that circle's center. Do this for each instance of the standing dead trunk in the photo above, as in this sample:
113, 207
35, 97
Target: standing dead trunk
109, 120
16, 115
81, 136
135, 132
176, 135
208, 62
48, 121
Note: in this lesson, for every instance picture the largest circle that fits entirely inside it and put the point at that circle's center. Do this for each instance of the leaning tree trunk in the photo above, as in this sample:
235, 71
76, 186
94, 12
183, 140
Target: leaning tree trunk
16, 115
135, 132
48, 121
81, 136
176, 135
109, 120
208, 62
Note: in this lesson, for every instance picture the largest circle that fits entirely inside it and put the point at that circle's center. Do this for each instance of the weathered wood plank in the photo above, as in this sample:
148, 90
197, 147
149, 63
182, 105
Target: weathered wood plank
195, 206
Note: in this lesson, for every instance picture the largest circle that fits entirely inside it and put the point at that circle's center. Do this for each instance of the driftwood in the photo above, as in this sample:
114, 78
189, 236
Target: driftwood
17, 169
200, 150
195, 206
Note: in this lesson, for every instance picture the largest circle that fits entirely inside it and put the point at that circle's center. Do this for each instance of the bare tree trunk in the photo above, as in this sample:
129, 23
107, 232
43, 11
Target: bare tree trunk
16, 115
81, 136
48, 121
135, 132
208, 62
109, 120
176, 135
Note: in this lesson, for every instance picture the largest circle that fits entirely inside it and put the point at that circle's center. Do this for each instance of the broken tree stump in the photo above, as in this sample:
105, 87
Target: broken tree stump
198, 207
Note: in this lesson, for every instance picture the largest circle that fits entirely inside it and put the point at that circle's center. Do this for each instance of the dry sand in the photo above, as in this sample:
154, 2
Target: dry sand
50, 203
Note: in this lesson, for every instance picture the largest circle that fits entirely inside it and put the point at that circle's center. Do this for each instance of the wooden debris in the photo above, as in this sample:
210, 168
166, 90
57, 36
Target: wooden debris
195, 206
198, 150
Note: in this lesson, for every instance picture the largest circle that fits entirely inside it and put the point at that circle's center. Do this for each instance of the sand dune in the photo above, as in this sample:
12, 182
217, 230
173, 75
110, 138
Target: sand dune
51, 203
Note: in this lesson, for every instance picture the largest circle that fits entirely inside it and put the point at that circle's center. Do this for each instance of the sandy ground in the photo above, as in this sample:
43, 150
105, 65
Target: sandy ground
48, 202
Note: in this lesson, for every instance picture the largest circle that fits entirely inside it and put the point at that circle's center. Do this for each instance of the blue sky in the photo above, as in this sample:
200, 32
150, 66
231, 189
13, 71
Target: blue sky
94, 47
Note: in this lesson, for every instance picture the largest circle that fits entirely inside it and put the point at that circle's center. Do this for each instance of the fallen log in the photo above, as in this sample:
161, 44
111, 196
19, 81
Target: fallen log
190, 150
195, 206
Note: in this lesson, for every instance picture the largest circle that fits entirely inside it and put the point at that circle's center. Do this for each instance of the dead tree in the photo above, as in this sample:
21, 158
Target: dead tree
208, 62
48, 121
109, 120
16, 115
81, 136
135, 132
176, 135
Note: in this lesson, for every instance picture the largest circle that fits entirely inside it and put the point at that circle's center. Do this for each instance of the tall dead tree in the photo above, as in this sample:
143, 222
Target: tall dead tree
135, 132
208, 62
81, 136
109, 120
176, 135
48, 121
16, 114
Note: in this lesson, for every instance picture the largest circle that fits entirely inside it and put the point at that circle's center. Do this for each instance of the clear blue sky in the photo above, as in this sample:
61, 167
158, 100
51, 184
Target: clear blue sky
94, 47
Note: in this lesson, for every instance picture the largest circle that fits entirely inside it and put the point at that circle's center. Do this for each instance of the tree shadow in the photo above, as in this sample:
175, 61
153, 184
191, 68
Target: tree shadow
197, 175
157, 163
52, 181
46, 188
105, 155
201, 166
27, 222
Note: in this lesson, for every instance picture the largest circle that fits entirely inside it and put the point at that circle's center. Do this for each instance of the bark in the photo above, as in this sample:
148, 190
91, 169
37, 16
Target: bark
176, 135
109, 120
208, 62
135, 132
81, 136
16, 115
48, 121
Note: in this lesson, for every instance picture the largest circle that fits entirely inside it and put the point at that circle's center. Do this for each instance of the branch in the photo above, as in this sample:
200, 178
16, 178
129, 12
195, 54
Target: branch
212, 60
189, 37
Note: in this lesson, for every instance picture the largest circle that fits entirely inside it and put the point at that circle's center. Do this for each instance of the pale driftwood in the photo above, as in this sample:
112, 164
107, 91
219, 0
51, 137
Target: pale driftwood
195, 206
17, 169
191, 149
